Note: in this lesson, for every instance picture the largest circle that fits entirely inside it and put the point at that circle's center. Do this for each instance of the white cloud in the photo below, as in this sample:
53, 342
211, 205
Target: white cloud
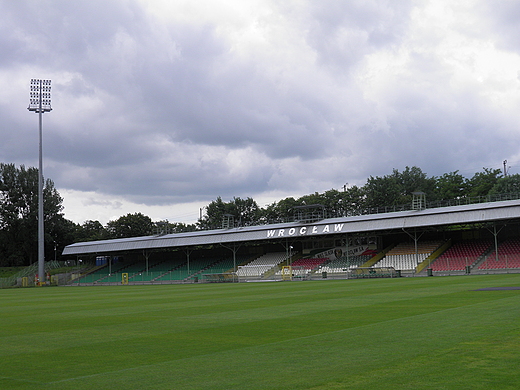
81, 206
162, 105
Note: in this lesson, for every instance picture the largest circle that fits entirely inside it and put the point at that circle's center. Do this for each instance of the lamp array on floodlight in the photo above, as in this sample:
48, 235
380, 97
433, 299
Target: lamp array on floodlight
40, 98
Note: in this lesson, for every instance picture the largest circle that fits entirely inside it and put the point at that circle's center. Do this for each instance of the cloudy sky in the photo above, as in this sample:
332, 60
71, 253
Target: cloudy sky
160, 106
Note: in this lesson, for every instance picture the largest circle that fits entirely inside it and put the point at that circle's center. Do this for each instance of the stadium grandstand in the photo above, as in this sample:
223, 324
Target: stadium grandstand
460, 239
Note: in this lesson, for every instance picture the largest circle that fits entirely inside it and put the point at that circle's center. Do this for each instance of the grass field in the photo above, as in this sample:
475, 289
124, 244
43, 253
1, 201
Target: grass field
407, 333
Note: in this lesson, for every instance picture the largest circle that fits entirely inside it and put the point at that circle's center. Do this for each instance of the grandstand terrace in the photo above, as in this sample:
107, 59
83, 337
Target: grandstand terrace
432, 240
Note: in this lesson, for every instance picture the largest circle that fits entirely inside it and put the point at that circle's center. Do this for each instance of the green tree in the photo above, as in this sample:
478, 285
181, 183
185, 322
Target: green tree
353, 200
332, 200
166, 227
382, 191
398, 187
451, 185
91, 231
59, 232
506, 185
19, 216
310, 199
280, 211
244, 212
215, 211
482, 182
130, 225
412, 180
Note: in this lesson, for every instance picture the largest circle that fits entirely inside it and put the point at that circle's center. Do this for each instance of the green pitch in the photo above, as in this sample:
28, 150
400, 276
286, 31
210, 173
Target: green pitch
407, 333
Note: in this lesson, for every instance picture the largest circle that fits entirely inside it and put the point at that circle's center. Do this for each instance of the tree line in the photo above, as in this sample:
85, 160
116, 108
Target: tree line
19, 208
380, 193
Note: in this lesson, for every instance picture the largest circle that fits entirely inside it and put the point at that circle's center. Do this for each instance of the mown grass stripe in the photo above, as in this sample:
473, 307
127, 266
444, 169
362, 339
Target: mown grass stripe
250, 336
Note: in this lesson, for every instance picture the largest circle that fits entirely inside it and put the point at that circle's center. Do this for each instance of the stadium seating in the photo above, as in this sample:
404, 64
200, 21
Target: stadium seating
404, 256
460, 255
342, 264
198, 266
309, 264
223, 265
107, 274
403, 262
508, 256
174, 268
176, 271
261, 265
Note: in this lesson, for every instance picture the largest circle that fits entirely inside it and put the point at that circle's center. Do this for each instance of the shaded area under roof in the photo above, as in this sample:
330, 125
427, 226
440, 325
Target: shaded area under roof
442, 216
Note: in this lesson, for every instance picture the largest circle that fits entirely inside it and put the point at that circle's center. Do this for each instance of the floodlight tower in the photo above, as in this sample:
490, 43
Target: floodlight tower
40, 102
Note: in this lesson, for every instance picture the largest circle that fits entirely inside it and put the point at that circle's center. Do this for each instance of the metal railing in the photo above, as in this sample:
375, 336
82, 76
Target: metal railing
350, 212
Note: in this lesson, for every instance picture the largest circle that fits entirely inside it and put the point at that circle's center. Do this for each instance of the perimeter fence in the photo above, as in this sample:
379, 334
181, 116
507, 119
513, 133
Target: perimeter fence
149, 277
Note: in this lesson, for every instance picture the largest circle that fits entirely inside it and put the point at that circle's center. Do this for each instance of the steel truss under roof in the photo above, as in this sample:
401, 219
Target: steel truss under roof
436, 217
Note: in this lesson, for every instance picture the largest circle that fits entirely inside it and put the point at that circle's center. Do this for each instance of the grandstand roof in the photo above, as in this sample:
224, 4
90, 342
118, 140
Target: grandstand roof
454, 215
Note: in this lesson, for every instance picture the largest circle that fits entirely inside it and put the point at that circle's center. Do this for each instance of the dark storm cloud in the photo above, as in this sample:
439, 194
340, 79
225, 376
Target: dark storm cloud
213, 98
289, 97
342, 33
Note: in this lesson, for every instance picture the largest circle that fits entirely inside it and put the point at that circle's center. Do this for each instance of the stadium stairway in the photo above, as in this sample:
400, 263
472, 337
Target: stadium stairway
146, 275
167, 273
374, 260
261, 266
508, 256
406, 256
431, 259
461, 255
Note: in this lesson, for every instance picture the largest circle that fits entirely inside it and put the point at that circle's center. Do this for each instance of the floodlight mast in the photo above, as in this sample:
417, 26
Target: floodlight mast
40, 102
